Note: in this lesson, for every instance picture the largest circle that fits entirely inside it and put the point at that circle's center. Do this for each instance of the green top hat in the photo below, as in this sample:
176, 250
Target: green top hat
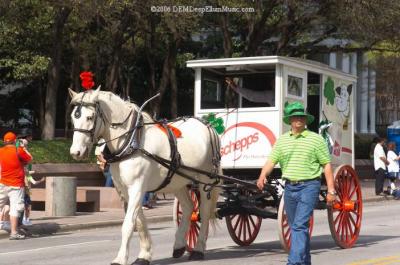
296, 109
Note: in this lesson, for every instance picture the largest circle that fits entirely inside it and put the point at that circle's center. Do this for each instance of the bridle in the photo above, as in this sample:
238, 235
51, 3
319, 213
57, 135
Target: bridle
98, 114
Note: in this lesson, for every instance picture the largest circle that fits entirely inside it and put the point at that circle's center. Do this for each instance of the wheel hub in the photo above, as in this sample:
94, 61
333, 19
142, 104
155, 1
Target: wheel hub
345, 206
194, 217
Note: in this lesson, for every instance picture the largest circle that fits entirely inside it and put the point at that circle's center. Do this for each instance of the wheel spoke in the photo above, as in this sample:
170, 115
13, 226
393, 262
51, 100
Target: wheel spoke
236, 222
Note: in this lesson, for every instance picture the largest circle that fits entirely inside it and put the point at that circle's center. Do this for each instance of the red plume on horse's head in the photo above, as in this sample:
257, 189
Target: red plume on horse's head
87, 80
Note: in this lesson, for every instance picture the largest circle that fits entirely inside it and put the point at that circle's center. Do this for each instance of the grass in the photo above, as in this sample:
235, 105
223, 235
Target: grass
54, 151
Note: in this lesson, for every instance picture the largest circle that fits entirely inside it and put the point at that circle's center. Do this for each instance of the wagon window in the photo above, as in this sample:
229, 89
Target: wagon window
258, 90
214, 94
211, 94
295, 86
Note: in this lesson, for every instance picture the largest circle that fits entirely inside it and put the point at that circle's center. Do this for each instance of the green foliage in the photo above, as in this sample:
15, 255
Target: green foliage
329, 91
54, 151
363, 146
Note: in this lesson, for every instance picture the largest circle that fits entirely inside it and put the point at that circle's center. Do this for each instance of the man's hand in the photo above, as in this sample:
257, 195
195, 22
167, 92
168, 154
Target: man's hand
330, 198
261, 182
229, 82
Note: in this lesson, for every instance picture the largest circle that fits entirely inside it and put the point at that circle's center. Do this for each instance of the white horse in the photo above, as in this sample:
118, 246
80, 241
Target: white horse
100, 114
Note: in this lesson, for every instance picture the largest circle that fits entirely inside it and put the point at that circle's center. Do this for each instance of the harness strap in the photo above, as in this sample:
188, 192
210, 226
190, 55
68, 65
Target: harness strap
128, 147
175, 161
167, 163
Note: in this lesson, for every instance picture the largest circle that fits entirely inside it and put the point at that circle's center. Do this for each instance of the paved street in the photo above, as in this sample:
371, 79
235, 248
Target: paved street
378, 244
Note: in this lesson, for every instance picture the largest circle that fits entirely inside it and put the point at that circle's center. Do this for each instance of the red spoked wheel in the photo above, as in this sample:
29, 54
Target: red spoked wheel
345, 214
243, 228
284, 229
195, 222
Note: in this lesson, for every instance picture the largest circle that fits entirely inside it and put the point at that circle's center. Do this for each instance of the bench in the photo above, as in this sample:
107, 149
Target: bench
87, 200
87, 174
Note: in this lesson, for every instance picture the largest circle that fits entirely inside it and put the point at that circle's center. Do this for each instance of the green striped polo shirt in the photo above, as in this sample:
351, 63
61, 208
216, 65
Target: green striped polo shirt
300, 157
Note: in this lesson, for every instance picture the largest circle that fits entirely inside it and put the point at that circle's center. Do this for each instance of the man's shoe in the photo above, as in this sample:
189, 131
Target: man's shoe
17, 236
27, 222
381, 194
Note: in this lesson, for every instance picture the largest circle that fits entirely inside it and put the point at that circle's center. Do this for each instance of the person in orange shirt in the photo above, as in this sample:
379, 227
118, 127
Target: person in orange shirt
12, 180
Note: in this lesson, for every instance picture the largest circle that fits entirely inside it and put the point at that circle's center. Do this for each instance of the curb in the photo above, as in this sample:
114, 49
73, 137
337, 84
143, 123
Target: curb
49, 229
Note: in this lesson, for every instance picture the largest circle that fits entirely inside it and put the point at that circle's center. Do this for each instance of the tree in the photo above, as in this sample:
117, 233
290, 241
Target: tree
60, 17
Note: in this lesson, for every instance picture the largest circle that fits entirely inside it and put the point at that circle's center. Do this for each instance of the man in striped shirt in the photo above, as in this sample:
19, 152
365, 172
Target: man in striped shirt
302, 155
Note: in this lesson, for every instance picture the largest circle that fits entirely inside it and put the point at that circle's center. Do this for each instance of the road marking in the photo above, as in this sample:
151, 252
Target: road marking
378, 261
59, 246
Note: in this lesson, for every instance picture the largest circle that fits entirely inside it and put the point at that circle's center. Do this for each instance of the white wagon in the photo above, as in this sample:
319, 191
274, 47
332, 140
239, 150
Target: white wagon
252, 121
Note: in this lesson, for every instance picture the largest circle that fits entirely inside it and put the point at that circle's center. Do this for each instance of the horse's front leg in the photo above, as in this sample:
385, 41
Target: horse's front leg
135, 197
144, 256
180, 235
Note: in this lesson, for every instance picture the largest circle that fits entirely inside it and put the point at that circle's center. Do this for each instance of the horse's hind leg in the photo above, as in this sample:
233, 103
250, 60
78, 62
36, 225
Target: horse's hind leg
205, 207
134, 203
180, 235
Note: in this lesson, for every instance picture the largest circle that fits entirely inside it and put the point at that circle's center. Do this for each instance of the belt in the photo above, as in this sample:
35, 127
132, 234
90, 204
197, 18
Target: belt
298, 182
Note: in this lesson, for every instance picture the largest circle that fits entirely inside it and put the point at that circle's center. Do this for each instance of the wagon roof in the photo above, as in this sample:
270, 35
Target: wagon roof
265, 61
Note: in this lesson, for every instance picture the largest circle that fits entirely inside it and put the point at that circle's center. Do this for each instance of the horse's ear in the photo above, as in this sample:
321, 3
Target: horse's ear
98, 88
349, 89
72, 93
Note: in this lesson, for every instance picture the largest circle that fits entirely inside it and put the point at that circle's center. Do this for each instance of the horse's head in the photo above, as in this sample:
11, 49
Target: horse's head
87, 122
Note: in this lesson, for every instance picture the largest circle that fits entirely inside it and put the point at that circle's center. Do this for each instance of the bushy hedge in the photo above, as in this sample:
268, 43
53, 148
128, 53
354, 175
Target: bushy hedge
363, 146
54, 151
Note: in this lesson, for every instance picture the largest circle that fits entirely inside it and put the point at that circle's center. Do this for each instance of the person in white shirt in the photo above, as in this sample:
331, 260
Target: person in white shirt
380, 163
264, 96
393, 167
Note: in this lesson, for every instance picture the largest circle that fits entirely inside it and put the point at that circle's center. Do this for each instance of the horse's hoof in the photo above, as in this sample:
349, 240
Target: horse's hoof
141, 262
196, 255
115, 263
178, 252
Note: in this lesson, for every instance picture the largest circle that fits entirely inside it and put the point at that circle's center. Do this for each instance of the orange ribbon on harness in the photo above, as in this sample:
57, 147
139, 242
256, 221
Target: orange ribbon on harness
174, 130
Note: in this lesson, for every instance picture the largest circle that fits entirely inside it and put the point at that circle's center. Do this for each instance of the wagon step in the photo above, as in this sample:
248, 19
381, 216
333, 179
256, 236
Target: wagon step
242, 210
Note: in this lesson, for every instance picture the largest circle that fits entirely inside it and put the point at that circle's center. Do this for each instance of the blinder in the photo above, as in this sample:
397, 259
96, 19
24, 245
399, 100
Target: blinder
78, 114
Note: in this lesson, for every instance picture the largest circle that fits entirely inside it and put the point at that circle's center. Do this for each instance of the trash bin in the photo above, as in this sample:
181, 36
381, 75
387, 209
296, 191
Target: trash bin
393, 134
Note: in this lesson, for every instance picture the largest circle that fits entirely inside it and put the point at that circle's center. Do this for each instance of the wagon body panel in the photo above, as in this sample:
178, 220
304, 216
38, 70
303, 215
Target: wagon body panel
291, 80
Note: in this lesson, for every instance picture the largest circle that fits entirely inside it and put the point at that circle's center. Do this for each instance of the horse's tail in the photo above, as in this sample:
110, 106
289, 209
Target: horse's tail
214, 195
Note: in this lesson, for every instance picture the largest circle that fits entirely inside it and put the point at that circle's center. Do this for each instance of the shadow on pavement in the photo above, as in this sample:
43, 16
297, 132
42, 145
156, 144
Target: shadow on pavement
319, 244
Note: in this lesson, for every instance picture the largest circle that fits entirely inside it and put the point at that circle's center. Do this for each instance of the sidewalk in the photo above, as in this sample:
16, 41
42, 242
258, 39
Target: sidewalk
162, 212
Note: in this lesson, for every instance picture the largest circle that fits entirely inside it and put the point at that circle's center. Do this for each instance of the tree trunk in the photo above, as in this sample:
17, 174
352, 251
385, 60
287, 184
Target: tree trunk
150, 57
54, 74
257, 30
74, 77
119, 38
174, 89
227, 35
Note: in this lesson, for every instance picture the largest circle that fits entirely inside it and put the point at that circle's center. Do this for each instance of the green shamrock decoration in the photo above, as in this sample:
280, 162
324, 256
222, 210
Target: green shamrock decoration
329, 91
216, 123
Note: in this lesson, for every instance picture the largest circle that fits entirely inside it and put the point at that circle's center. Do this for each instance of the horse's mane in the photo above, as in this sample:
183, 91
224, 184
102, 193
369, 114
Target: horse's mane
116, 103
117, 99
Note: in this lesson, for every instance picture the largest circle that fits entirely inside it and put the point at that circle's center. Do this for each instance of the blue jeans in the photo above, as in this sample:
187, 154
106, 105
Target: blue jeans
109, 181
300, 201
146, 198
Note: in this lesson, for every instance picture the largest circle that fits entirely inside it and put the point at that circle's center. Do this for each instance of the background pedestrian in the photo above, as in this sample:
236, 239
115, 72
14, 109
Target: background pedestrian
380, 163
12, 161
